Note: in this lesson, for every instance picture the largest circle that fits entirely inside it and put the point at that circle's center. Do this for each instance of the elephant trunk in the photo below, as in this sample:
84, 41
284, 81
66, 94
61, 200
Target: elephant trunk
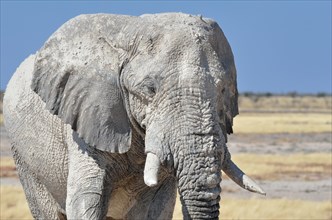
193, 145
199, 177
200, 203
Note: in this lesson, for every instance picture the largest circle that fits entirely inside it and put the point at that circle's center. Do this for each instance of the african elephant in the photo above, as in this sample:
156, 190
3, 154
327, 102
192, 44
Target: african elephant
116, 113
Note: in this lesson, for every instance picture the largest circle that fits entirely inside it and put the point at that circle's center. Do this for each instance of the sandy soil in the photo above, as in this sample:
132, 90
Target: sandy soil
317, 190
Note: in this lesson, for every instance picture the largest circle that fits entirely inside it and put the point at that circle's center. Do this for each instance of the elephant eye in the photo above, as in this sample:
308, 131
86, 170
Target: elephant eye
148, 87
152, 90
149, 90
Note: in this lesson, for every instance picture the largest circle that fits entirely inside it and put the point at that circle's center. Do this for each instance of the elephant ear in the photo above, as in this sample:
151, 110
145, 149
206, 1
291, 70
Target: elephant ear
229, 93
93, 107
84, 91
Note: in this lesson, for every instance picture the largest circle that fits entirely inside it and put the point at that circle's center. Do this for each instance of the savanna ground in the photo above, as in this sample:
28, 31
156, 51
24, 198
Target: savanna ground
284, 142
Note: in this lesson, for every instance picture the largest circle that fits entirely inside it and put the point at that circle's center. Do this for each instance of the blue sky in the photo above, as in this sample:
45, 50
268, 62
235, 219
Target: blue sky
279, 46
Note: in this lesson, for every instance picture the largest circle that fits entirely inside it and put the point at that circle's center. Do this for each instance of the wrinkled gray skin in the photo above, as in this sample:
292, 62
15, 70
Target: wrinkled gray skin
104, 91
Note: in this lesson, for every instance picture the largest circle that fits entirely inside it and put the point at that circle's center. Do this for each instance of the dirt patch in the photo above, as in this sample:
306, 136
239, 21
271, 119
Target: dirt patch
8, 171
319, 190
283, 143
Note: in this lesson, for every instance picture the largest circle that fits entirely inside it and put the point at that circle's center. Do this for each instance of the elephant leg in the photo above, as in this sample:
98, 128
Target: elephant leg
156, 202
87, 189
41, 203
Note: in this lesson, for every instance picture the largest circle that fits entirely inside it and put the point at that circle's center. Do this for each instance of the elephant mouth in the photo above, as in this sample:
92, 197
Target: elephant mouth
152, 166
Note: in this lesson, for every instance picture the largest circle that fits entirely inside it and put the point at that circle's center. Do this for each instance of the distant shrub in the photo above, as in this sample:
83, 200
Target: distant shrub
292, 94
267, 94
247, 94
321, 94
259, 94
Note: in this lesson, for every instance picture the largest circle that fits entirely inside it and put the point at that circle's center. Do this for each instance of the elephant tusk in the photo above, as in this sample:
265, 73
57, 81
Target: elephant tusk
151, 169
237, 175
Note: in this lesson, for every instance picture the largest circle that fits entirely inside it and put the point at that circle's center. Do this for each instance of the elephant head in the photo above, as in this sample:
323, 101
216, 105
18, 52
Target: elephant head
169, 77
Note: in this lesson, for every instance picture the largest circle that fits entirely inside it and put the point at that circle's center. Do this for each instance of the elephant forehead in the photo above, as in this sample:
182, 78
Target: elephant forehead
179, 21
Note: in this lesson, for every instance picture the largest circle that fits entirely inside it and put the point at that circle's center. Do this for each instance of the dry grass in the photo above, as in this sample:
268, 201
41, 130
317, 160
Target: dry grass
13, 204
7, 162
286, 103
308, 167
284, 114
269, 209
282, 123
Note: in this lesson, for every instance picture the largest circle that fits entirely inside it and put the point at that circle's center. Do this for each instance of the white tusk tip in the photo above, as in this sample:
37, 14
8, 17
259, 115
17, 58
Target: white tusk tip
239, 177
250, 185
150, 183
